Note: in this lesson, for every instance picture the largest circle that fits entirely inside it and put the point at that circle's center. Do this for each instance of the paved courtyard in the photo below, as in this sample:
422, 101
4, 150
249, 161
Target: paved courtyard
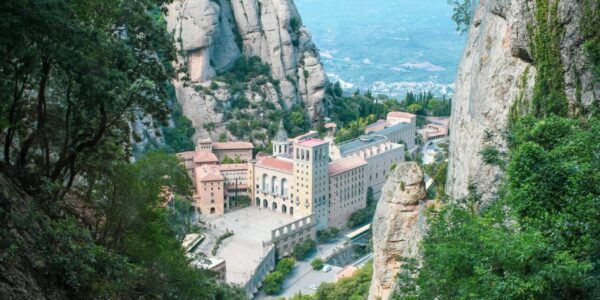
244, 251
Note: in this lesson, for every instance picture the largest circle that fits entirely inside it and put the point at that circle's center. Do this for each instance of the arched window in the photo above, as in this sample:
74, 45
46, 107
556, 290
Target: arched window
283, 187
274, 205
274, 184
212, 210
257, 201
265, 204
264, 183
291, 210
284, 209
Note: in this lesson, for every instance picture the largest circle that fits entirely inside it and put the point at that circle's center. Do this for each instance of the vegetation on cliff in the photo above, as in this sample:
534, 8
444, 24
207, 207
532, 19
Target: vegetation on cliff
85, 223
540, 239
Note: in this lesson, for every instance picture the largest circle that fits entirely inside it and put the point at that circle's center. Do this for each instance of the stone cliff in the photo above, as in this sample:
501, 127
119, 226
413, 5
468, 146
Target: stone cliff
212, 34
497, 69
398, 226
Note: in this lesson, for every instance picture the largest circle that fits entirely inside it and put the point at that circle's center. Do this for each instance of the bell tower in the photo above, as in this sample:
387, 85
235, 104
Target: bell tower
281, 145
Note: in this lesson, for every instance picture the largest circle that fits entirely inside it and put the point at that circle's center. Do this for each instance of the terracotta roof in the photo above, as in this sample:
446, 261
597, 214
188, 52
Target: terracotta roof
233, 167
311, 142
346, 272
330, 125
277, 164
202, 157
346, 164
232, 145
211, 177
400, 114
306, 136
186, 155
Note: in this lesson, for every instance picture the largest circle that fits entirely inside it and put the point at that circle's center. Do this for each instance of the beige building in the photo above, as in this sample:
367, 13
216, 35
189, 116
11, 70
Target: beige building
399, 127
436, 130
347, 189
233, 150
380, 154
217, 185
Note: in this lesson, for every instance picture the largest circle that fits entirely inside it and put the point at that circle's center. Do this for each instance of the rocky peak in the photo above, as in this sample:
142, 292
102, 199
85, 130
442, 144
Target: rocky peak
497, 69
212, 34
398, 226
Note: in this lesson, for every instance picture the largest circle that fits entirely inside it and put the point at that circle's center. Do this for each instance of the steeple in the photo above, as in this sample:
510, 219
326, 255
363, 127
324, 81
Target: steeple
281, 145
281, 135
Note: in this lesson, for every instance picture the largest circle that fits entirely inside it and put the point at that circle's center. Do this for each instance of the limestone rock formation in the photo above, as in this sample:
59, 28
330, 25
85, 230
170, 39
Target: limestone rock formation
212, 34
398, 226
497, 68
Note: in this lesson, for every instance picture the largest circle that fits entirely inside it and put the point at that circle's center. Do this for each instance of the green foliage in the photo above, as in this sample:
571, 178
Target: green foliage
317, 264
462, 13
72, 82
228, 160
591, 46
273, 281
326, 234
219, 240
135, 250
353, 113
492, 156
285, 265
365, 215
178, 138
539, 240
548, 93
301, 250
355, 287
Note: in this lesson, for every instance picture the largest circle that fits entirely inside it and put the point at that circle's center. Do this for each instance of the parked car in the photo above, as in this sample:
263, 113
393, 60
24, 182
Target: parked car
313, 287
326, 268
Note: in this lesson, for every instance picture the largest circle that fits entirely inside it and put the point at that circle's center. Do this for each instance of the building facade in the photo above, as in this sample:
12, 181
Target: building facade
217, 186
347, 189
380, 154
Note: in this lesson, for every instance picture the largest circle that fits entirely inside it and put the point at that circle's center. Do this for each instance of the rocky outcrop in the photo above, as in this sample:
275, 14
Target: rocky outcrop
496, 69
212, 34
398, 226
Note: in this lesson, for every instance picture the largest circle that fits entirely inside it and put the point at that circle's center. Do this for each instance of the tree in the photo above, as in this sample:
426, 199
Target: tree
73, 82
461, 14
301, 250
539, 239
317, 264
272, 282
285, 265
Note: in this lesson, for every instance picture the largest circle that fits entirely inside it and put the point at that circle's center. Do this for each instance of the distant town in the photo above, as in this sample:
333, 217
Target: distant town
261, 208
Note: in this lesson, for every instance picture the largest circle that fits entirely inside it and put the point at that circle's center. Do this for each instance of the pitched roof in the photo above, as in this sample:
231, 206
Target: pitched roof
281, 135
203, 157
311, 142
346, 164
400, 114
232, 145
330, 125
212, 177
283, 165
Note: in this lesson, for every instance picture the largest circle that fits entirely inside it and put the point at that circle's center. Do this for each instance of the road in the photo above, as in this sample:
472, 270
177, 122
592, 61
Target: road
303, 276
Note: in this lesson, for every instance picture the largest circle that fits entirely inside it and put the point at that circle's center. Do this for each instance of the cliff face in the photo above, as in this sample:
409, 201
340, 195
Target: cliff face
496, 69
398, 226
212, 34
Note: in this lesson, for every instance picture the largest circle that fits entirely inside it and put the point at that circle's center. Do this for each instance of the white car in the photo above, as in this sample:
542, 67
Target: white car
313, 287
326, 268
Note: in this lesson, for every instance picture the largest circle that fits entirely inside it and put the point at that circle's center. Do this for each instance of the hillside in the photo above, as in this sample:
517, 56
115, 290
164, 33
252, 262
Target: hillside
218, 40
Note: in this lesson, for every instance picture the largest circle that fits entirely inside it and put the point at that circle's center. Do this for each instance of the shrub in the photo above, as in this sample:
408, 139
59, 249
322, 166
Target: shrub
317, 264
301, 250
